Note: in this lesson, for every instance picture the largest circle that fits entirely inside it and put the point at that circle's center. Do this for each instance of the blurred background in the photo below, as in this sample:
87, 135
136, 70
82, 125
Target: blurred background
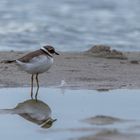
69, 25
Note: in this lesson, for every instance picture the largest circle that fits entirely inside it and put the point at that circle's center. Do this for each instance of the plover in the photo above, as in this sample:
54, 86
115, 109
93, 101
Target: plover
36, 62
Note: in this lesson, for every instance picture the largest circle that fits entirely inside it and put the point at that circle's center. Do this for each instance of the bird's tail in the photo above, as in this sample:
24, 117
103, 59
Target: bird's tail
7, 61
6, 111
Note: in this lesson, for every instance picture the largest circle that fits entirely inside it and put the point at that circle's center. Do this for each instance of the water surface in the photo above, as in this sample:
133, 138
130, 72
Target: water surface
69, 25
70, 108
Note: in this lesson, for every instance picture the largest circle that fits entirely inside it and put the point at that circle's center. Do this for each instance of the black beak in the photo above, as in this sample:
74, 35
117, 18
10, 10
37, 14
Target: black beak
56, 53
54, 120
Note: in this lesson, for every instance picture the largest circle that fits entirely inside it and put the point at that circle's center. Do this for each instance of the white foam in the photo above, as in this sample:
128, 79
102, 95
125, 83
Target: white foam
14, 27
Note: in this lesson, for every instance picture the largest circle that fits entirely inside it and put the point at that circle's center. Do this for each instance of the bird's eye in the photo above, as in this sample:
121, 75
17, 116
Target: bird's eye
51, 51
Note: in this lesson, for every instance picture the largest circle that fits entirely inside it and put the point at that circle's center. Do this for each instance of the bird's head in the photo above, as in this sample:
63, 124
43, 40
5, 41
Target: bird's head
49, 49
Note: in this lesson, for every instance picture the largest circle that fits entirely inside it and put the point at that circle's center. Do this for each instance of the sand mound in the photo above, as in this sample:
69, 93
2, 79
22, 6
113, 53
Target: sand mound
105, 52
103, 120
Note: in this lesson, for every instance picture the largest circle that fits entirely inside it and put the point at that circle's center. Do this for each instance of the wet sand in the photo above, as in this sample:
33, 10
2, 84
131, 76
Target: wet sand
112, 135
99, 69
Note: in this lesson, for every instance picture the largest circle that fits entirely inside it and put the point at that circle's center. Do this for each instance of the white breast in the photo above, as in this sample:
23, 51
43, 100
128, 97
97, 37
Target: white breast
36, 65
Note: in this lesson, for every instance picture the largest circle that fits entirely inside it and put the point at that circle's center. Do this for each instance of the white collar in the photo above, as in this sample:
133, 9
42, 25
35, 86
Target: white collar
46, 51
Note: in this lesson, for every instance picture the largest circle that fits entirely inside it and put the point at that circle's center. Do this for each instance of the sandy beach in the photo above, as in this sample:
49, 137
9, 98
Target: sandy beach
99, 68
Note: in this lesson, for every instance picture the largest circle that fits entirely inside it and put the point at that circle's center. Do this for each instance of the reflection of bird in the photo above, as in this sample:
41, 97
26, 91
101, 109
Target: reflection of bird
36, 112
35, 63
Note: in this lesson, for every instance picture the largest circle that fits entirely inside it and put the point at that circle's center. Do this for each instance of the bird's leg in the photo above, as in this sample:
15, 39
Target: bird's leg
37, 86
32, 80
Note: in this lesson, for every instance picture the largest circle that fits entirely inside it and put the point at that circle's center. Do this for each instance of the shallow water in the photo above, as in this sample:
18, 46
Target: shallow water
70, 108
70, 25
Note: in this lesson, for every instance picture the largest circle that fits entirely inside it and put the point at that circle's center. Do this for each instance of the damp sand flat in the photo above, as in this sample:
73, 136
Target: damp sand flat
79, 113
78, 70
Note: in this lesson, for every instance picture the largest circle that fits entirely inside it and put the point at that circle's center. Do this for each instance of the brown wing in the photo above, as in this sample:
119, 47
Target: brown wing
31, 55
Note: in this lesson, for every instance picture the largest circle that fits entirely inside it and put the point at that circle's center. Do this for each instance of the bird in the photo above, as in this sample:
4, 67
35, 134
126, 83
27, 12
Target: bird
35, 63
